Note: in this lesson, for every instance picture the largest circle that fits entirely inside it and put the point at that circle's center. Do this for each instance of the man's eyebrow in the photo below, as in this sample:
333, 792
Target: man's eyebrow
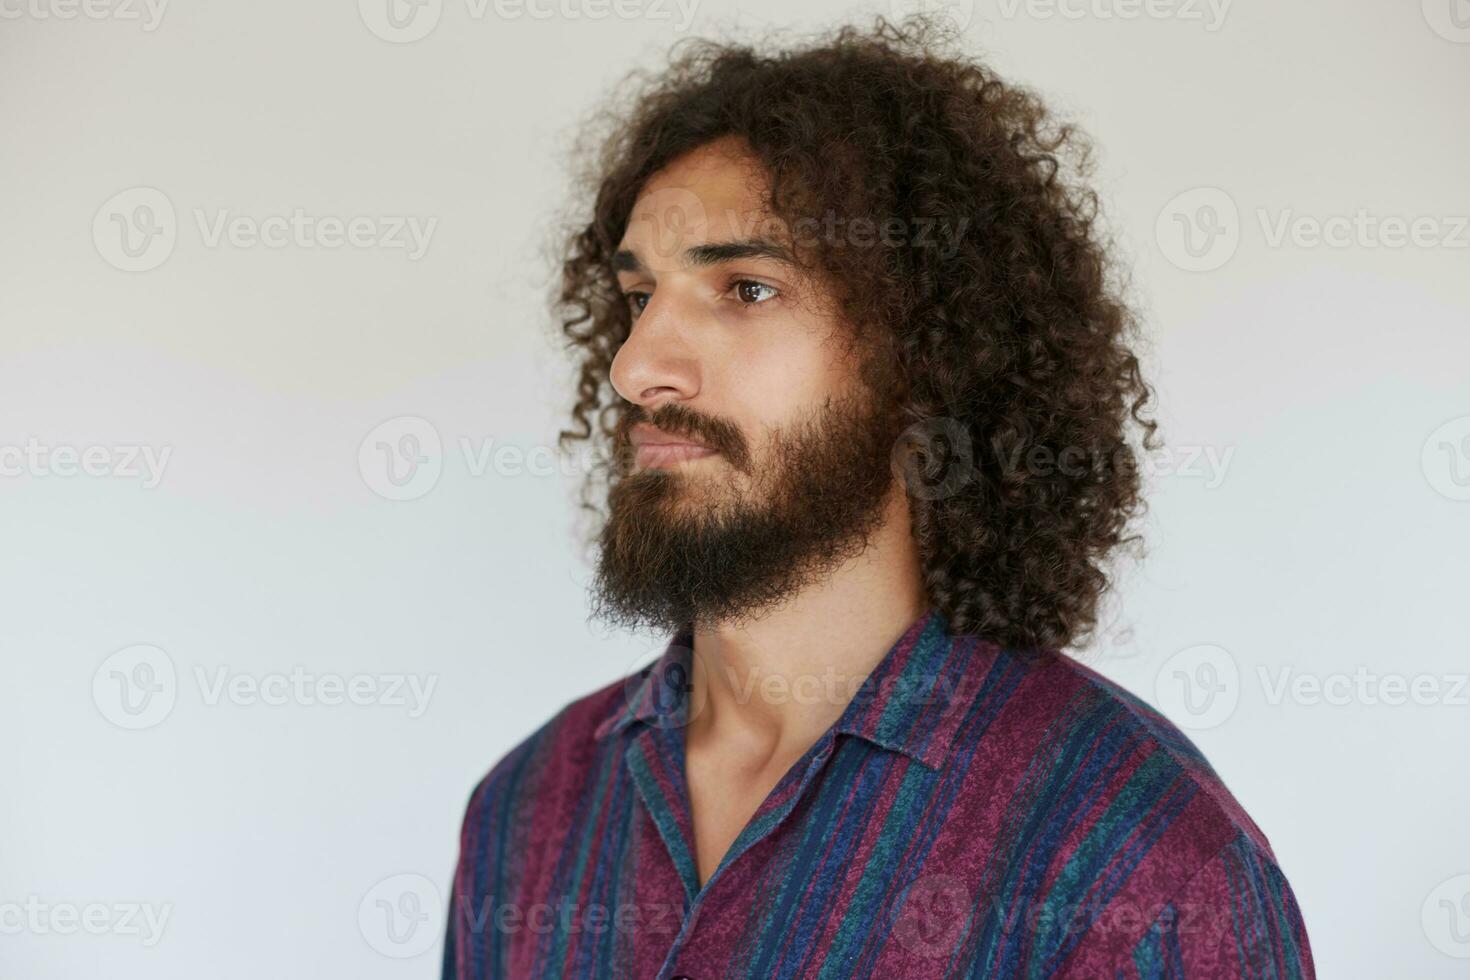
624, 260
713, 253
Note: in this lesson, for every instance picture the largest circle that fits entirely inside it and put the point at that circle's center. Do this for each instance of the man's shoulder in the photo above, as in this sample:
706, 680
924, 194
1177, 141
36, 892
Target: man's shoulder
1128, 833
1151, 824
1110, 767
1112, 713
559, 749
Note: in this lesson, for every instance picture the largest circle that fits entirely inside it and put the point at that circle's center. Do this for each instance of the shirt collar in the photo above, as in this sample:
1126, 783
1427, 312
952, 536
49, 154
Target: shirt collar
913, 701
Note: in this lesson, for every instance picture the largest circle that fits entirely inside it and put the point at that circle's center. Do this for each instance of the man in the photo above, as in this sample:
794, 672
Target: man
867, 384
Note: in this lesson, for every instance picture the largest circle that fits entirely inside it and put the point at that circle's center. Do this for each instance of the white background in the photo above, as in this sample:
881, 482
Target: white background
1329, 535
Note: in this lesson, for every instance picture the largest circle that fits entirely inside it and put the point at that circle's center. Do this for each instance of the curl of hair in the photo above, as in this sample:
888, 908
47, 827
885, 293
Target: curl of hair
1005, 319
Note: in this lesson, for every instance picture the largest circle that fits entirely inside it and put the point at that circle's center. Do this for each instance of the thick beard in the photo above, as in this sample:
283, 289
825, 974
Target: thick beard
665, 565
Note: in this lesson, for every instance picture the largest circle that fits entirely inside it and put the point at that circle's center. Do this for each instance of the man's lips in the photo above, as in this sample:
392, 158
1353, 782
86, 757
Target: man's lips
654, 447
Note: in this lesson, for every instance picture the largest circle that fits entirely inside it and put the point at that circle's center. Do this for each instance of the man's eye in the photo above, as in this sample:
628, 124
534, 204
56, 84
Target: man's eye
636, 301
750, 292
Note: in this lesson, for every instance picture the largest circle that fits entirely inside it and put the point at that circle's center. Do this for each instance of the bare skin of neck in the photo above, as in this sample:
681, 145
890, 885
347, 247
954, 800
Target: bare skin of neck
765, 691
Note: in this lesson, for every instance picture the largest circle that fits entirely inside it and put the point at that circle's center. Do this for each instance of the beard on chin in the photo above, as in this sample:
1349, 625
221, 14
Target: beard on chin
666, 562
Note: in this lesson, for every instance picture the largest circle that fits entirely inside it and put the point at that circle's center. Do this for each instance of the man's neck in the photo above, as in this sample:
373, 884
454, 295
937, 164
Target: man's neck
772, 686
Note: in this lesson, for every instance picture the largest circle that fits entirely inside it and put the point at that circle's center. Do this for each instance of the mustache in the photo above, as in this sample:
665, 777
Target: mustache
722, 436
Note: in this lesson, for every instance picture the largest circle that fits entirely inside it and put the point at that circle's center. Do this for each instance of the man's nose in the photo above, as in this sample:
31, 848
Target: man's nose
658, 364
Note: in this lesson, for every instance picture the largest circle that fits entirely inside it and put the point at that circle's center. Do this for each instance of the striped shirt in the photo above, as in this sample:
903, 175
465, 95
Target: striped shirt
974, 812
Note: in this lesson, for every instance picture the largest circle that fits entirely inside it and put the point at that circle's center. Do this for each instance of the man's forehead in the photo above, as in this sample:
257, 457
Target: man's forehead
714, 193
725, 165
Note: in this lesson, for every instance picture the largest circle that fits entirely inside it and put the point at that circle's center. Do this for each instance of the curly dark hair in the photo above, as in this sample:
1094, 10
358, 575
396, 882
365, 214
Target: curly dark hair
1015, 338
